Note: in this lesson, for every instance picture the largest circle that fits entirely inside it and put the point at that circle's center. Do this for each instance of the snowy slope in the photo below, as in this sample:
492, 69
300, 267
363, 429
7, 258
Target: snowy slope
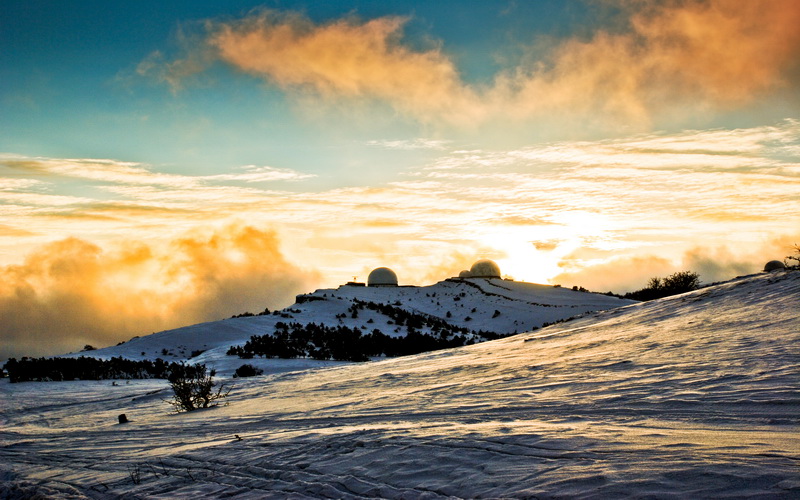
495, 305
694, 396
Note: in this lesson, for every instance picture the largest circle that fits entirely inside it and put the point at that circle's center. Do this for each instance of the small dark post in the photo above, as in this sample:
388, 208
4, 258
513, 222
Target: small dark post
123, 419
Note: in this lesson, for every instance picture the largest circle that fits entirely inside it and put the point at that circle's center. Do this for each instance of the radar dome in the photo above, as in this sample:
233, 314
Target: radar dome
464, 274
485, 269
774, 265
382, 276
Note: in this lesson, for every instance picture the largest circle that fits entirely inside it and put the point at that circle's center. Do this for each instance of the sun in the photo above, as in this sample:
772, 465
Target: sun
519, 259
520, 256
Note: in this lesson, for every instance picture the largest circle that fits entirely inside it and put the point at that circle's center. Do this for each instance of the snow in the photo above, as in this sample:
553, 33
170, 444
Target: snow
521, 307
690, 396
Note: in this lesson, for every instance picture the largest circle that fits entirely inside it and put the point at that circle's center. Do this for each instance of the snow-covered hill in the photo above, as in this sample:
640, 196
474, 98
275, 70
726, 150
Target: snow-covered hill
488, 304
693, 396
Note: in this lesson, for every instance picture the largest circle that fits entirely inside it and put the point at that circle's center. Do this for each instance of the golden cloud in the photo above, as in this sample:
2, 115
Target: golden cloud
711, 55
521, 220
6, 230
619, 275
628, 273
71, 292
545, 246
451, 265
622, 198
130, 173
345, 58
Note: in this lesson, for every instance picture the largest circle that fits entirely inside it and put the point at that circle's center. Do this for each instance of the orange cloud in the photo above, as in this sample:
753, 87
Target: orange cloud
6, 230
711, 54
72, 292
451, 265
630, 273
707, 55
619, 275
727, 50
345, 58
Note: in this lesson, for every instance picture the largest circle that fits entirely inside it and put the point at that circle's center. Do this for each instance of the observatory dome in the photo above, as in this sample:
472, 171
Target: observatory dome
485, 269
382, 276
464, 274
774, 265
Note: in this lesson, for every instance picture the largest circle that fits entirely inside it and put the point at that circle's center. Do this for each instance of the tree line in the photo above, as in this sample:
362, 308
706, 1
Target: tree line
342, 343
85, 368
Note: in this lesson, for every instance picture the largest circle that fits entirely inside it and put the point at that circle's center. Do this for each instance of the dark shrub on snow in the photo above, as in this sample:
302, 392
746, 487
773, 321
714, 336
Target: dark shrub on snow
674, 284
247, 370
193, 387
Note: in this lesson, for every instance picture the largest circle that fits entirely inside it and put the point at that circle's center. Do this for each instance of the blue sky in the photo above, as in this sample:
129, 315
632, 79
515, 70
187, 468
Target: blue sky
70, 87
591, 143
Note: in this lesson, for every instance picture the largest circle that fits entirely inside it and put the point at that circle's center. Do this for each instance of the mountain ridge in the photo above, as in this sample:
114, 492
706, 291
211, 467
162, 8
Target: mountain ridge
493, 305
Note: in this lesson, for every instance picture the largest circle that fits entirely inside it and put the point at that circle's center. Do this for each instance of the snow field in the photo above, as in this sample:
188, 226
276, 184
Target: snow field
690, 396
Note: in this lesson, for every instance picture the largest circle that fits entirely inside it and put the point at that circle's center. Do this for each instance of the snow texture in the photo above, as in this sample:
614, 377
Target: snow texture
692, 396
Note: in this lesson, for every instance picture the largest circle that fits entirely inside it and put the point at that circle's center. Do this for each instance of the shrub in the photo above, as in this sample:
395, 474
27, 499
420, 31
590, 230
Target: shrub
795, 258
247, 370
680, 282
684, 281
193, 387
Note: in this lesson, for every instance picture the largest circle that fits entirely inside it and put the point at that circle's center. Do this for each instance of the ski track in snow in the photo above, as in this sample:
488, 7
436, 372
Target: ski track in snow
696, 395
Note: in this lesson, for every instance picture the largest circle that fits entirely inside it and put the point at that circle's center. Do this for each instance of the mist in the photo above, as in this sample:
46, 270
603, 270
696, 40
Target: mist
72, 292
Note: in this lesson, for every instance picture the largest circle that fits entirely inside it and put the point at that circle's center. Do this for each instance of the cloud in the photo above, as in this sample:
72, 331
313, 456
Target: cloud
660, 194
132, 174
628, 273
253, 173
711, 54
663, 59
618, 275
6, 230
545, 246
197, 58
720, 264
521, 220
410, 144
71, 292
345, 58
451, 265
7, 184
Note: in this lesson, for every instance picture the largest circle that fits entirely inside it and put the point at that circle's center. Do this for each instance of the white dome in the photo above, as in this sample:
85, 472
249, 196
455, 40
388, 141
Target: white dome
464, 274
485, 269
382, 276
774, 265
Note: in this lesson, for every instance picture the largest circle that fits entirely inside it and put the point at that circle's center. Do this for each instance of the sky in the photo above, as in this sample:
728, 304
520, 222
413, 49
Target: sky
167, 163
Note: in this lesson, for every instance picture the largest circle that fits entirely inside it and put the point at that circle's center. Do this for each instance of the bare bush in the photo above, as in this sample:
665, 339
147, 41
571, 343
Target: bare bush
193, 387
793, 261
